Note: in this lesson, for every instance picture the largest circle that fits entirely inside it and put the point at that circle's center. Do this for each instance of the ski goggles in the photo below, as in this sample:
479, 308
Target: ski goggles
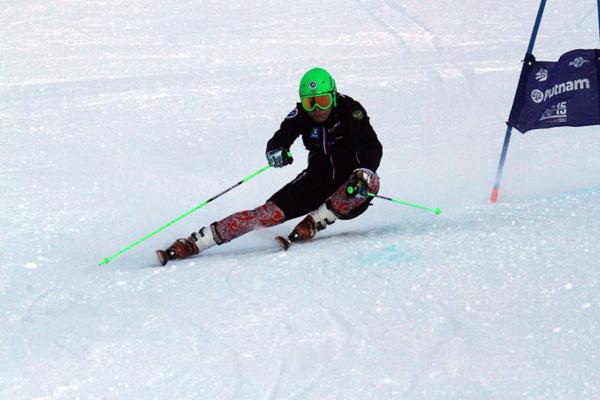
322, 101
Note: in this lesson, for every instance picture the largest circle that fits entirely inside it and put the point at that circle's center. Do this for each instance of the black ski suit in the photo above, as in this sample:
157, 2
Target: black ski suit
337, 147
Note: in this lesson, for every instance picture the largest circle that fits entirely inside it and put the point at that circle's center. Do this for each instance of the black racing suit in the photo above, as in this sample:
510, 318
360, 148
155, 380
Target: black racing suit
337, 147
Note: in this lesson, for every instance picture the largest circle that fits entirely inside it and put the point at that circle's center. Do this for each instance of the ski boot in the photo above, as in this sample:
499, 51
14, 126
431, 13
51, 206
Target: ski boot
307, 228
187, 247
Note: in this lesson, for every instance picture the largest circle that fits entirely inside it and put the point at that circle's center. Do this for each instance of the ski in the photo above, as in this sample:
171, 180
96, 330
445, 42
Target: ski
283, 242
162, 257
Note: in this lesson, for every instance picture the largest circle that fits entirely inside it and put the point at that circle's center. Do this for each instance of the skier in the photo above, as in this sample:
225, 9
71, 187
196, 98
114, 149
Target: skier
343, 155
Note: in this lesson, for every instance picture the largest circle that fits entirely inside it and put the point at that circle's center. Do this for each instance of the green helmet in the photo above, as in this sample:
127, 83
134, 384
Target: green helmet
318, 81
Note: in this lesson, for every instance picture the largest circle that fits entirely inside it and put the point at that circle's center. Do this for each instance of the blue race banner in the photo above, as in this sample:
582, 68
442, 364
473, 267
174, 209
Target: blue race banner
563, 93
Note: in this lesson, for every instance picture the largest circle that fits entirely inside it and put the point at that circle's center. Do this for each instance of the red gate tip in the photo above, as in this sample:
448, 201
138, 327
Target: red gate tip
494, 196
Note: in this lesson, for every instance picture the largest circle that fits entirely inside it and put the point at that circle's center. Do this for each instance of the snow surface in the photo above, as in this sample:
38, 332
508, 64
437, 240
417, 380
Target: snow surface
117, 116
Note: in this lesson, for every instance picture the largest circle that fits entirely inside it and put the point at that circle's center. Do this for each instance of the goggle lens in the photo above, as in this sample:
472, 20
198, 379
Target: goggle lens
323, 101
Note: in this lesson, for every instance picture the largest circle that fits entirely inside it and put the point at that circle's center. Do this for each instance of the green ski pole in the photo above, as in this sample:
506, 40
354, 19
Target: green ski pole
182, 216
436, 211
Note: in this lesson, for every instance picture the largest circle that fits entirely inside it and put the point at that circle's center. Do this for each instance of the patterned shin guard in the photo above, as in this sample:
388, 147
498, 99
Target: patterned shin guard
243, 222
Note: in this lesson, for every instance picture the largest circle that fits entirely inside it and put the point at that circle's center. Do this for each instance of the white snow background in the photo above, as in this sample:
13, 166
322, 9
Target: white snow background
117, 116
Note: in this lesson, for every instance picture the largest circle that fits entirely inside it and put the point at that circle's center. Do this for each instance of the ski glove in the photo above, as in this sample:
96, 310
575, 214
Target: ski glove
358, 184
279, 157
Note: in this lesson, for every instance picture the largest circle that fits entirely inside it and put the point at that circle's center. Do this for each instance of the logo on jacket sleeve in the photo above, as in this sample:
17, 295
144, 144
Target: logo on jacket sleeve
358, 114
292, 113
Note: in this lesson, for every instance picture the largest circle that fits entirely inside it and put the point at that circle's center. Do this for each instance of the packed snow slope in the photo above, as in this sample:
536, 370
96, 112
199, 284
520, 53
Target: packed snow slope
117, 116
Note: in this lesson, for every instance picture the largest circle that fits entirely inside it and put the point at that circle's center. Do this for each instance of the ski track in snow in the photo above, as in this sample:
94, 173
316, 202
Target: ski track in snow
116, 117
401, 44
